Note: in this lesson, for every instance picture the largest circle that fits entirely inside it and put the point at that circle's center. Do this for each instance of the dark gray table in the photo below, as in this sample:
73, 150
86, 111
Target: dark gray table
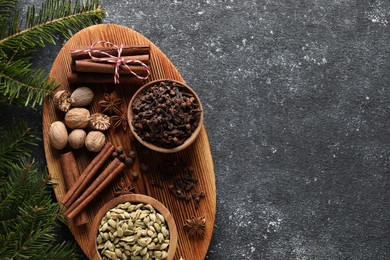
297, 111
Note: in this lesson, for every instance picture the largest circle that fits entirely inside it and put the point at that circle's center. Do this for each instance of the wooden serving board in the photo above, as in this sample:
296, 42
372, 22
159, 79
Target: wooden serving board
153, 181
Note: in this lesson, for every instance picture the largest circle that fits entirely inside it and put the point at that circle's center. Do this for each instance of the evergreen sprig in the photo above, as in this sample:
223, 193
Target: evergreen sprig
55, 17
28, 217
16, 141
18, 81
7, 10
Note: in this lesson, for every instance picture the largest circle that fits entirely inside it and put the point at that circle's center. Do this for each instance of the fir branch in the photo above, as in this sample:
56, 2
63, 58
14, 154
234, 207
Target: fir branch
7, 11
18, 186
55, 18
14, 143
18, 80
32, 217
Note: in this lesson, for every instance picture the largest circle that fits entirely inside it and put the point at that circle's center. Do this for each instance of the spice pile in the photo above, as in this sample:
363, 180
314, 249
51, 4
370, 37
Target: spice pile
183, 187
179, 180
78, 118
133, 231
165, 114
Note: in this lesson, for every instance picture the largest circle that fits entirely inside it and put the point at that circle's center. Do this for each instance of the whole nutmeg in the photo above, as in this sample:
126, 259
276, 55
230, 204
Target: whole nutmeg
95, 141
77, 118
58, 135
81, 97
61, 100
77, 138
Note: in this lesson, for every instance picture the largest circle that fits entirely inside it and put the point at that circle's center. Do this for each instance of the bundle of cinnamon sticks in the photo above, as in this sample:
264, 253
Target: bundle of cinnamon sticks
84, 69
89, 184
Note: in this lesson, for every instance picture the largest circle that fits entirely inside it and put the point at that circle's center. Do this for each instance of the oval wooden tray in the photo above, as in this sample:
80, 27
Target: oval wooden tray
154, 180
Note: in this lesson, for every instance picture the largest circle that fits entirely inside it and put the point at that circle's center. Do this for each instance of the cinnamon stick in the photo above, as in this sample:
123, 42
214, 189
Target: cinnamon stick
81, 183
105, 178
95, 78
98, 67
126, 51
69, 168
71, 173
143, 58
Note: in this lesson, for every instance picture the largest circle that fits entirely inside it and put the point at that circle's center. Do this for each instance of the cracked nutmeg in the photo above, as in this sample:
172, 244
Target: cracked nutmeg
195, 227
99, 121
61, 100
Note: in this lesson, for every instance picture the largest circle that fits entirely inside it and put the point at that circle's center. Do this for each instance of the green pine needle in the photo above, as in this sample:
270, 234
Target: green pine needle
18, 81
55, 18
7, 11
15, 142
28, 217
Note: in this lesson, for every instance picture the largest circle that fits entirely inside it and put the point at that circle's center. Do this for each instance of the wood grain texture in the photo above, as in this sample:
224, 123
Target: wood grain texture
198, 155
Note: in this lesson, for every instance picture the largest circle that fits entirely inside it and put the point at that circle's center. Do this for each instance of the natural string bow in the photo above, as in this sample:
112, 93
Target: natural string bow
117, 60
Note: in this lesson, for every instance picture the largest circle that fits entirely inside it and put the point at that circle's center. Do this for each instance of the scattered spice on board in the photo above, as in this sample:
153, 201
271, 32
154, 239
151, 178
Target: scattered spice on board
120, 118
144, 167
182, 183
195, 227
135, 175
124, 188
165, 115
184, 187
121, 155
110, 103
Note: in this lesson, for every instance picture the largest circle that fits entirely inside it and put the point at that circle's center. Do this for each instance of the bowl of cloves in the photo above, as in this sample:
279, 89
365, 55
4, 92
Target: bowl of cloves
133, 226
165, 115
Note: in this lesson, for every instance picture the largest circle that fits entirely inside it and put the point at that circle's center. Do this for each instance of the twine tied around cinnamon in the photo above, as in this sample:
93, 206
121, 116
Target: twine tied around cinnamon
117, 60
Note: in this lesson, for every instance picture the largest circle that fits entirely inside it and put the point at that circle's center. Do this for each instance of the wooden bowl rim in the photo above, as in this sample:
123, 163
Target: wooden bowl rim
151, 146
135, 198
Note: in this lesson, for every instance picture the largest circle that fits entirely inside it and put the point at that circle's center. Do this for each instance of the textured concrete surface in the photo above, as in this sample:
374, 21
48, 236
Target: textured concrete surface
297, 110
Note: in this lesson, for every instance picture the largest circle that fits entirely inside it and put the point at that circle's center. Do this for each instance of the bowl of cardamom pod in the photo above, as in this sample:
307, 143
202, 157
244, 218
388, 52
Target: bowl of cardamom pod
165, 115
133, 226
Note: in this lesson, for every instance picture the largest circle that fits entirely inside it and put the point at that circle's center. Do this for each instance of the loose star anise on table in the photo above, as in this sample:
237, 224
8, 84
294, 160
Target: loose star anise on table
111, 103
195, 227
124, 189
120, 119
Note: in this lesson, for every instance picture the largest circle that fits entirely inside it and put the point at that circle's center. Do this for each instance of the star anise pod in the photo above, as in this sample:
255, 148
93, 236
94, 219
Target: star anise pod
110, 103
195, 227
120, 119
124, 189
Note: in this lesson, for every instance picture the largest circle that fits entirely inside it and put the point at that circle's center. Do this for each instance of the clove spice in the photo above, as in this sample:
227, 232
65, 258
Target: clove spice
165, 114
182, 183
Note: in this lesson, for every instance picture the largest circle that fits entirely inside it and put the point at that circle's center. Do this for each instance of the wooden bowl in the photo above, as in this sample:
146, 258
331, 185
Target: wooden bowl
155, 147
134, 198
